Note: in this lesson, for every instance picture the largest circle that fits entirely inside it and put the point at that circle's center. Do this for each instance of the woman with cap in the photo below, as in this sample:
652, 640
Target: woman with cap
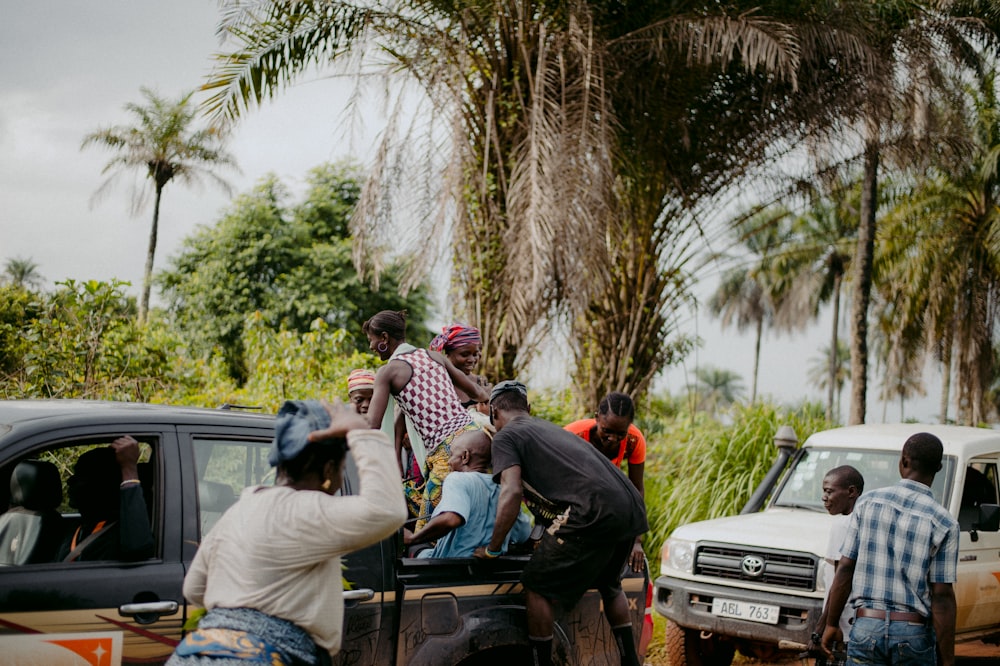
422, 383
360, 386
269, 572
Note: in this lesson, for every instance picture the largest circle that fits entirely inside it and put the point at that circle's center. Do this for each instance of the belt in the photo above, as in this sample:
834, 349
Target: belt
894, 616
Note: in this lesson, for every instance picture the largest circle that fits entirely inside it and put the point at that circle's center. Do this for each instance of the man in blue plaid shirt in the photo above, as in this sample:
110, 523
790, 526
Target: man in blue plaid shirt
900, 557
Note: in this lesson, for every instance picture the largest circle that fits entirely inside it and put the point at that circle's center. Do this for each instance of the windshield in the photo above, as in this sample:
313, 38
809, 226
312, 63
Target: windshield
803, 483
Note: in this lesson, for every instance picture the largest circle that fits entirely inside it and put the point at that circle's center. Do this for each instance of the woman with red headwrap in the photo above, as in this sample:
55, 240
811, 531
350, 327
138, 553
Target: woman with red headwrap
463, 346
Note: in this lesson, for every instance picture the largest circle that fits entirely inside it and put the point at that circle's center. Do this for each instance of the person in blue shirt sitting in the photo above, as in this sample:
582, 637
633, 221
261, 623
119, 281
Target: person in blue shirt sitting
463, 520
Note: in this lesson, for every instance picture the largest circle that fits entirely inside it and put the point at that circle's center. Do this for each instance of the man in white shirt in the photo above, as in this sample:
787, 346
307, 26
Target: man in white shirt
841, 488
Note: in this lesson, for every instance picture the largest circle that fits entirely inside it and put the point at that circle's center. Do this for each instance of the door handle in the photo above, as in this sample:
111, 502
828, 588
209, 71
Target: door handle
364, 594
149, 608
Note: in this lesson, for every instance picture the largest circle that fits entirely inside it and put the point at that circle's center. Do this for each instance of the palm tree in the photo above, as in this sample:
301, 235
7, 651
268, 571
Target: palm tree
750, 295
916, 46
941, 256
717, 388
22, 272
819, 374
816, 259
163, 145
556, 114
901, 379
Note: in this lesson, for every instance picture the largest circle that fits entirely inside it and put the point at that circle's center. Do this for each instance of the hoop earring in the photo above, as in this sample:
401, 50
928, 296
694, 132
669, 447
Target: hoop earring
326, 484
383, 346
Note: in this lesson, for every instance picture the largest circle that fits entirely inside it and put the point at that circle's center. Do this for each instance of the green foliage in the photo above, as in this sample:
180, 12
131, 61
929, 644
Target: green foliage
290, 263
18, 306
558, 407
81, 341
281, 365
699, 468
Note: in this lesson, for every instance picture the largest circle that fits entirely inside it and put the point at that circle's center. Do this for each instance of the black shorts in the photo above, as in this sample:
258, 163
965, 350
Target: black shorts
562, 568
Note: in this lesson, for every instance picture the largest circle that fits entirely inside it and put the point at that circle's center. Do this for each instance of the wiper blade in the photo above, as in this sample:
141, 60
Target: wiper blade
806, 507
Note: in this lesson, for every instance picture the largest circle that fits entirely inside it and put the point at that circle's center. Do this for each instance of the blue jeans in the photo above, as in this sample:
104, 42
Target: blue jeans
875, 641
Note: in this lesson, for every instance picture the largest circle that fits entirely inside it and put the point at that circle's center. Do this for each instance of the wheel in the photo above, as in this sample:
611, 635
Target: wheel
500, 656
686, 647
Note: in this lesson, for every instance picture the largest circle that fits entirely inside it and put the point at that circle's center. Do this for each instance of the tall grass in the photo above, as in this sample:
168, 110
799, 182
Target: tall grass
698, 468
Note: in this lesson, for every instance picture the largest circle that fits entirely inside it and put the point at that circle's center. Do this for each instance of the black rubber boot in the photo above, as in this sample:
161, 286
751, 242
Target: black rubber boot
626, 645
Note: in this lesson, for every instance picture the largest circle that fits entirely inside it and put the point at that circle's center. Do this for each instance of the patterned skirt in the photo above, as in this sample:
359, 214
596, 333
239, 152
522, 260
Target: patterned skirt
231, 636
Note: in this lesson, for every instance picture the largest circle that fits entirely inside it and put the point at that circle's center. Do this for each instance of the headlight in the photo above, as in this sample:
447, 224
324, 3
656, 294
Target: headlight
821, 577
678, 555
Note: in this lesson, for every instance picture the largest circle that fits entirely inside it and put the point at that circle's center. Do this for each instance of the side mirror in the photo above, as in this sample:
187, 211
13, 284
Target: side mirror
989, 518
988, 521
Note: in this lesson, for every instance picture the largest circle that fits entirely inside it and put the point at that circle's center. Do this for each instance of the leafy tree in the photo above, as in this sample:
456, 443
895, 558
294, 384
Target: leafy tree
82, 341
18, 307
280, 365
290, 262
21, 272
900, 380
164, 146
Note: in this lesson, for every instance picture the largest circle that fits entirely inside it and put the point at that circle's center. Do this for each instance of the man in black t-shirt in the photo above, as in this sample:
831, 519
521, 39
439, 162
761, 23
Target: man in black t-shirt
592, 514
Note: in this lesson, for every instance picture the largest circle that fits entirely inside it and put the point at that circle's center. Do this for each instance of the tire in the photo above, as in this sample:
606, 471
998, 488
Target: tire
686, 647
500, 656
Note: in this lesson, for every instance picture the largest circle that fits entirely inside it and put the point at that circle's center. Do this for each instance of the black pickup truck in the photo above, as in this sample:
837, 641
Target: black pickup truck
195, 462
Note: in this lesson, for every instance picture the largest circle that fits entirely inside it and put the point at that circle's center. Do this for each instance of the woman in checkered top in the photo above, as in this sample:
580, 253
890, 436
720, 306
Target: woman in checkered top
421, 383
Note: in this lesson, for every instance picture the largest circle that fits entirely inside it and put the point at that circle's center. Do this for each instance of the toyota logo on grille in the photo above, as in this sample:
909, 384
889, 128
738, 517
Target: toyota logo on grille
752, 565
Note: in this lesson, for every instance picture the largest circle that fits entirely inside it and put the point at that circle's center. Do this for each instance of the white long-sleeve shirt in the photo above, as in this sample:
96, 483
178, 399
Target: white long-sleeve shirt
277, 550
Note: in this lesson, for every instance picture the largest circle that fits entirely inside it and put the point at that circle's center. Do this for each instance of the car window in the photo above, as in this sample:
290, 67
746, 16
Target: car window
980, 487
225, 468
803, 483
53, 513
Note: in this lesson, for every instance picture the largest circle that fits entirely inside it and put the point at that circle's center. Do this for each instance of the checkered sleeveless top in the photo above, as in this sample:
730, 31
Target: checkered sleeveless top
430, 400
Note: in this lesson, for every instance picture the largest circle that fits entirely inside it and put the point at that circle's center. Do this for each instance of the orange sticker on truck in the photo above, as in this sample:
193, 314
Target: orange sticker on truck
90, 649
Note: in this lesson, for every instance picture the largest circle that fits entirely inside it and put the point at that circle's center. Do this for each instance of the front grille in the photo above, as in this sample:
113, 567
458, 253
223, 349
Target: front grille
780, 568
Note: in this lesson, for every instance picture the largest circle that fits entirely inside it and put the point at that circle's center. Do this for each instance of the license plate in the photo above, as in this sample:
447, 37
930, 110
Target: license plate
744, 610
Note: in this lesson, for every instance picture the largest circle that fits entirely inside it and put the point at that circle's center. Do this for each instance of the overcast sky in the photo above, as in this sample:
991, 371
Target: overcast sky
67, 67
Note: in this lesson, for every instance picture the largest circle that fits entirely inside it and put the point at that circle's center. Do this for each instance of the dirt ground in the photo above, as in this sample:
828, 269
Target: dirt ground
975, 653
969, 654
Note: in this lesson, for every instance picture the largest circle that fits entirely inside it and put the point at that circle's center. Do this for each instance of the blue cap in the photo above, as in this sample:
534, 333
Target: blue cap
508, 385
296, 419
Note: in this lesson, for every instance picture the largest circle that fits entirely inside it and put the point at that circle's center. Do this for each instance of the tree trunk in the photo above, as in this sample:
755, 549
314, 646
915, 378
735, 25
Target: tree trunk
147, 276
945, 378
756, 360
834, 351
862, 285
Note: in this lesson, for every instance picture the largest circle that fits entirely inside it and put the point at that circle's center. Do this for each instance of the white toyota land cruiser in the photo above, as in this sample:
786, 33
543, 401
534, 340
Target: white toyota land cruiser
753, 582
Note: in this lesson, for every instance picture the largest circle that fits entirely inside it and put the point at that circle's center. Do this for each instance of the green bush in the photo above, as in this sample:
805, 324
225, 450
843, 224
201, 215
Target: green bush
282, 365
80, 341
698, 468
555, 406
